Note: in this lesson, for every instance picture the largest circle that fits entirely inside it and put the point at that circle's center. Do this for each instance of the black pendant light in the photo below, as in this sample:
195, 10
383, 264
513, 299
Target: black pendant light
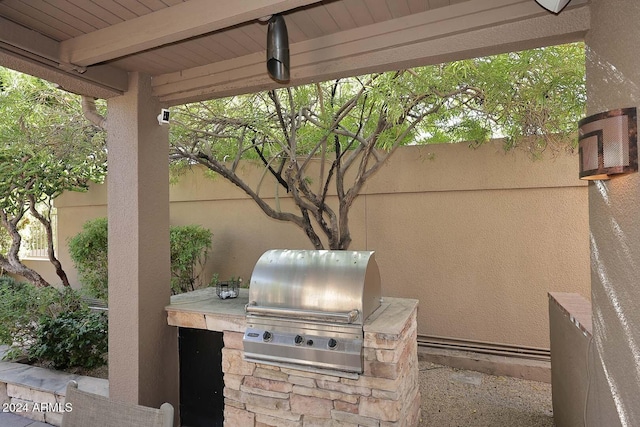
278, 49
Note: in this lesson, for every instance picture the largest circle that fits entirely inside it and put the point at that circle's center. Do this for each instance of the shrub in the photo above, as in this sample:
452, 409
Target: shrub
88, 250
190, 245
7, 281
22, 308
74, 338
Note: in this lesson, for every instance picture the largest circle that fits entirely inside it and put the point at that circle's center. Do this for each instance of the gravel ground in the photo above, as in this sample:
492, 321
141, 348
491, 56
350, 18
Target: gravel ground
459, 398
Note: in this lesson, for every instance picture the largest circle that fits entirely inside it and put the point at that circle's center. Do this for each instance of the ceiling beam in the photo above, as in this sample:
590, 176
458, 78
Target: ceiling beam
52, 73
172, 24
431, 37
30, 52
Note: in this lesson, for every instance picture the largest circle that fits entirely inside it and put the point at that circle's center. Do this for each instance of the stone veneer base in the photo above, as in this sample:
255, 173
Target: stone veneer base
257, 395
38, 393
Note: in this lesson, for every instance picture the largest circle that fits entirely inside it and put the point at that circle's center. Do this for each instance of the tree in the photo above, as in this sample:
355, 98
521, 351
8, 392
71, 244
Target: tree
46, 147
352, 126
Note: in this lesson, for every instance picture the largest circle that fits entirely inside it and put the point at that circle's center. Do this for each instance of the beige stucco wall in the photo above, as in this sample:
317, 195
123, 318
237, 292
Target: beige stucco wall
613, 81
43, 267
479, 236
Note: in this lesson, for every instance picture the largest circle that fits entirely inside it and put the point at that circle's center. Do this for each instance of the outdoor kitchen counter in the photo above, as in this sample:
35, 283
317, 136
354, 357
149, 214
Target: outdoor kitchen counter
242, 392
203, 309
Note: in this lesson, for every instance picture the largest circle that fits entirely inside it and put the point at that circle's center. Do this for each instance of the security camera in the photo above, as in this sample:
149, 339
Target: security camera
554, 6
163, 117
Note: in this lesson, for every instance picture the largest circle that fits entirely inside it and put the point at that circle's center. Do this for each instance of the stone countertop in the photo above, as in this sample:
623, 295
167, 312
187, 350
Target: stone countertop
202, 309
391, 317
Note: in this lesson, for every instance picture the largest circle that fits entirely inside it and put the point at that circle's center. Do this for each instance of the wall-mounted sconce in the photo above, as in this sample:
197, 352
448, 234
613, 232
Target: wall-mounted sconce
554, 6
278, 49
607, 144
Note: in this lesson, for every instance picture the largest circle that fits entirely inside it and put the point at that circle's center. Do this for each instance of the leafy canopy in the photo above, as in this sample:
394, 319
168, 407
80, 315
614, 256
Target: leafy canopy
46, 145
533, 98
337, 134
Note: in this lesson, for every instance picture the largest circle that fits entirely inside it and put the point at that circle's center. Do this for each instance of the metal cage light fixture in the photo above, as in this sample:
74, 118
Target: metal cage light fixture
278, 49
607, 144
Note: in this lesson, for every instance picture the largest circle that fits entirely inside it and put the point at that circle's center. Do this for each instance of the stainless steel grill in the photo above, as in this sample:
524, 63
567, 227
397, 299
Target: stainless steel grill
308, 308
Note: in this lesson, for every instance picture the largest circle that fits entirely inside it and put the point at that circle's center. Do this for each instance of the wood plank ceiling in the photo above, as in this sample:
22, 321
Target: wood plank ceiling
199, 49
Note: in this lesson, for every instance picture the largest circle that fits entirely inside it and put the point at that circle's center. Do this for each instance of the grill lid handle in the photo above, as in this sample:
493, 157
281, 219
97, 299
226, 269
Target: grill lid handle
338, 317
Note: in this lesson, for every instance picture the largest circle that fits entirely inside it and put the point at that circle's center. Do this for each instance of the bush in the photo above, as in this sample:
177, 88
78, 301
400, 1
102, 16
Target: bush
7, 281
190, 245
22, 309
74, 338
88, 250
16, 315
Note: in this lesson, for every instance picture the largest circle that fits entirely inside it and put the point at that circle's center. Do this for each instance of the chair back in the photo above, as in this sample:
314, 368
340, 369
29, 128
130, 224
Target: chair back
86, 409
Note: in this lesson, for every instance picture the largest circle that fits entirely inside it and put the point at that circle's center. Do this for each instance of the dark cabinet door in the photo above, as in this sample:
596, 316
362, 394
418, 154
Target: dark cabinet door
201, 381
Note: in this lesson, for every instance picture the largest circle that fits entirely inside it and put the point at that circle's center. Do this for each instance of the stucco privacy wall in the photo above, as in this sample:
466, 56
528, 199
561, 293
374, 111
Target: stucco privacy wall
477, 235
613, 81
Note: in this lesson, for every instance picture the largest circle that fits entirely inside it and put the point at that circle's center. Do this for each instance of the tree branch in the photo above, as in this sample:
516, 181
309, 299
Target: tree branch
46, 222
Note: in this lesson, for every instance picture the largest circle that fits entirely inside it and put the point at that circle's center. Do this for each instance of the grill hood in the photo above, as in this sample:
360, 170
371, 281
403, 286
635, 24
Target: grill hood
308, 308
331, 284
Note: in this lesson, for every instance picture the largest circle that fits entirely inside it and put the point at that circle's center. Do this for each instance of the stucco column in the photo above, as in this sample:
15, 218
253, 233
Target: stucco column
143, 364
613, 81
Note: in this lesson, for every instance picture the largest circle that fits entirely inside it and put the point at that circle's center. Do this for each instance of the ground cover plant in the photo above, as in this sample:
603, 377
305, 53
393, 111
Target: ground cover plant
46, 324
73, 338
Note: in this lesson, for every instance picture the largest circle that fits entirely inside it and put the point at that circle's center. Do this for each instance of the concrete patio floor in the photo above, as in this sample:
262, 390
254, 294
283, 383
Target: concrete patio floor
13, 420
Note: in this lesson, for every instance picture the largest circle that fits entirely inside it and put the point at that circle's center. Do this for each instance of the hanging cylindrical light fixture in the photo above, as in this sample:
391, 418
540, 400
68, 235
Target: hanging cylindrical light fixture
278, 49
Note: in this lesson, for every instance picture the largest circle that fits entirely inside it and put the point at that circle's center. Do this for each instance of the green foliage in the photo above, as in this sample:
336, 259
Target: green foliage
537, 93
23, 306
7, 281
46, 147
190, 247
533, 98
88, 250
50, 324
5, 240
334, 135
74, 338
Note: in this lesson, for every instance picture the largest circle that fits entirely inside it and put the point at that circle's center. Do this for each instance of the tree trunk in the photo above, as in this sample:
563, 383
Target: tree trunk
11, 262
50, 250
18, 268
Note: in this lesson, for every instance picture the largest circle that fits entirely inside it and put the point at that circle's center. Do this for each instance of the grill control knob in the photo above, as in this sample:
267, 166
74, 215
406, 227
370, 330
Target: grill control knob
299, 339
332, 343
267, 336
